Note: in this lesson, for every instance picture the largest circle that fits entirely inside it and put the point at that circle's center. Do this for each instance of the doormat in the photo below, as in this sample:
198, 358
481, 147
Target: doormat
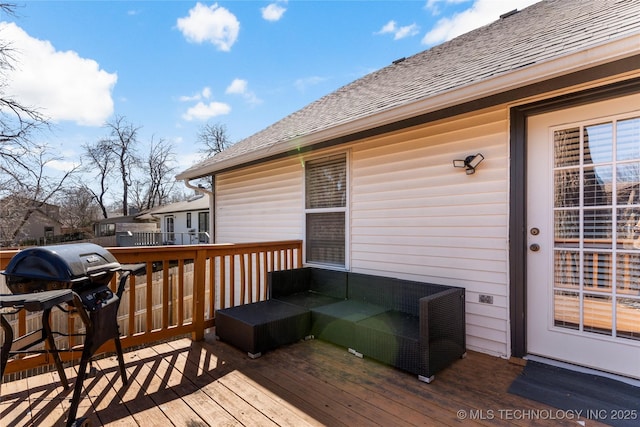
587, 396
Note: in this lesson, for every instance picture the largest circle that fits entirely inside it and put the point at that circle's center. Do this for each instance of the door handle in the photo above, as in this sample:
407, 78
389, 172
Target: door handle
534, 247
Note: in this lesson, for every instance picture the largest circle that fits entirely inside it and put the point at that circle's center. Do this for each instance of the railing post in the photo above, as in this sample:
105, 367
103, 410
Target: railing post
199, 294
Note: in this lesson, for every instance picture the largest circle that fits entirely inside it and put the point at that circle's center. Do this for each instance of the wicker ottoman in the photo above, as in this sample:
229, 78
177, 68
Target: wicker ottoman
261, 326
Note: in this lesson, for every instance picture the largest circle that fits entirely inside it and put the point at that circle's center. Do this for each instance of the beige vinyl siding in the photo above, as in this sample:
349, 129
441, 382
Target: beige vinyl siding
414, 215
411, 213
263, 203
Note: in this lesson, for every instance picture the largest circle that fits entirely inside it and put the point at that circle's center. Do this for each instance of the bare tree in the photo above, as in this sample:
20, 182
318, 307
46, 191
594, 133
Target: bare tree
100, 157
214, 139
78, 208
27, 185
29, 189
122, 141
17, 121
156, 187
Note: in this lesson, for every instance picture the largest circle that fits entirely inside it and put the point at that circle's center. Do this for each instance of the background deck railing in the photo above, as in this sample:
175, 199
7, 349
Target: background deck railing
178, 295
157, 238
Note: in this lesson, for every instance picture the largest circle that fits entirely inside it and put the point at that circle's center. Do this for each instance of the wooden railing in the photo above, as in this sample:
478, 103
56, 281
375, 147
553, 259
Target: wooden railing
178, 295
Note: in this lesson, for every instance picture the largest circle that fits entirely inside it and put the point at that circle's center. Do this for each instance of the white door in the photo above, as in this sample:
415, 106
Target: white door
583, 228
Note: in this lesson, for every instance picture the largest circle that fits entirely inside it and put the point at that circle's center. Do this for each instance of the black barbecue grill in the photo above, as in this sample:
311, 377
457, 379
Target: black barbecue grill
77, 275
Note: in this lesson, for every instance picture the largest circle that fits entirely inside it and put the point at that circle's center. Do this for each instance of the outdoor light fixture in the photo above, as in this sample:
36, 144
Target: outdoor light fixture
470, 163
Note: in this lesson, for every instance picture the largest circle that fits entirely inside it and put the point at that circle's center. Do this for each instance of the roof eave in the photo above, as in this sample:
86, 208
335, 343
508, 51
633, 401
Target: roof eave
600, 54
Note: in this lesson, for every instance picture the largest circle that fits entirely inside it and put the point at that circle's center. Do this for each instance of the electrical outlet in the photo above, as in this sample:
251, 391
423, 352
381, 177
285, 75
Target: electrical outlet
485, 299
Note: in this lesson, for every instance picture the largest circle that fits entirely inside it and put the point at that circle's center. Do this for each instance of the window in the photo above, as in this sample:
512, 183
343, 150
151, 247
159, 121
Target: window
203, 227
107, 229
596, 229
325, 210
188, 219
170, 229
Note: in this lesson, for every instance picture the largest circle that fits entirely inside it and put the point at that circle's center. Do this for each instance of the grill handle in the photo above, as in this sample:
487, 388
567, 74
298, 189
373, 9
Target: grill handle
127, 270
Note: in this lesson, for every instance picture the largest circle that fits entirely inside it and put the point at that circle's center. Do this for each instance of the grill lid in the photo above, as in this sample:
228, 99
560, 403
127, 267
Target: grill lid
73, 265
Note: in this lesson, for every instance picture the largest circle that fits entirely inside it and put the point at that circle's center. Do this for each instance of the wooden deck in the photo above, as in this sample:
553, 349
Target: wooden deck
185, 383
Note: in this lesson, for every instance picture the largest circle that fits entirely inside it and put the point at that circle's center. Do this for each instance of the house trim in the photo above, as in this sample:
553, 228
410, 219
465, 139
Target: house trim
518, 196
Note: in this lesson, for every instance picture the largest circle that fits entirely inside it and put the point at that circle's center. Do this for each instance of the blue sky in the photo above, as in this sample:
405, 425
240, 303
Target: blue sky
173, 66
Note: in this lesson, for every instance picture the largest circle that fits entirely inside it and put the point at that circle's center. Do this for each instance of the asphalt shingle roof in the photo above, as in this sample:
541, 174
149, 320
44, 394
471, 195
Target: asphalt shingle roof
543, 31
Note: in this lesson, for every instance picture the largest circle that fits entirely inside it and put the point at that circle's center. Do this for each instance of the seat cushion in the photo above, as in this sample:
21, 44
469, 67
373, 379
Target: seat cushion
392, 338
395, 323
308, 299
335, 322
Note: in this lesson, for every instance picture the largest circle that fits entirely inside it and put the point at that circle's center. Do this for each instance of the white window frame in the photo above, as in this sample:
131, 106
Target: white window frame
345, 210
202, 238
170, 230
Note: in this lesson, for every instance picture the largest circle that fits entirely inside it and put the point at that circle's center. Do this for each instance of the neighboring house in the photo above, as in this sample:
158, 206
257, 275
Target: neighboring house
543, 235
43, 222
185, 222
121, 224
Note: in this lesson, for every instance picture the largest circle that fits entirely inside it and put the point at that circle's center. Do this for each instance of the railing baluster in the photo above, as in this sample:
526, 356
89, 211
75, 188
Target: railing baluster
242, 279
250, 281
627, 272
132, 304
223, 283
148, 326
265, 270
198, 295
179, 298
212, 285
232, 280
166, 283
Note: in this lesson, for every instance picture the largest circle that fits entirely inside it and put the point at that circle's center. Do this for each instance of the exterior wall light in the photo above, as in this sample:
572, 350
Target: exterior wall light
470, 163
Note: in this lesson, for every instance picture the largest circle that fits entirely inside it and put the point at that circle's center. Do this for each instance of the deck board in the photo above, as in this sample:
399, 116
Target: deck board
14, 402
312, 383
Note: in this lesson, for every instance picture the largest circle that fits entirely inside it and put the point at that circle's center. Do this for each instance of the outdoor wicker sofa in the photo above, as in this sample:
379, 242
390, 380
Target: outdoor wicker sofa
415, 326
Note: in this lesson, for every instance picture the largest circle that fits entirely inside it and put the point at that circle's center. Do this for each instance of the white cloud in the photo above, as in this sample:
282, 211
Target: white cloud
406, 31
190, 98
202, 111
273, 12
399, 32
62, 165
188, 159
61, 85
389, 27
204, 93
302, 84
213, 24
241, 87
237, 86
482, 12
432, 5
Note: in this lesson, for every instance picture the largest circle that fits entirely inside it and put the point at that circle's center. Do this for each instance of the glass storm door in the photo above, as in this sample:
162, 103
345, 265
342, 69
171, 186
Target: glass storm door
583, 215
